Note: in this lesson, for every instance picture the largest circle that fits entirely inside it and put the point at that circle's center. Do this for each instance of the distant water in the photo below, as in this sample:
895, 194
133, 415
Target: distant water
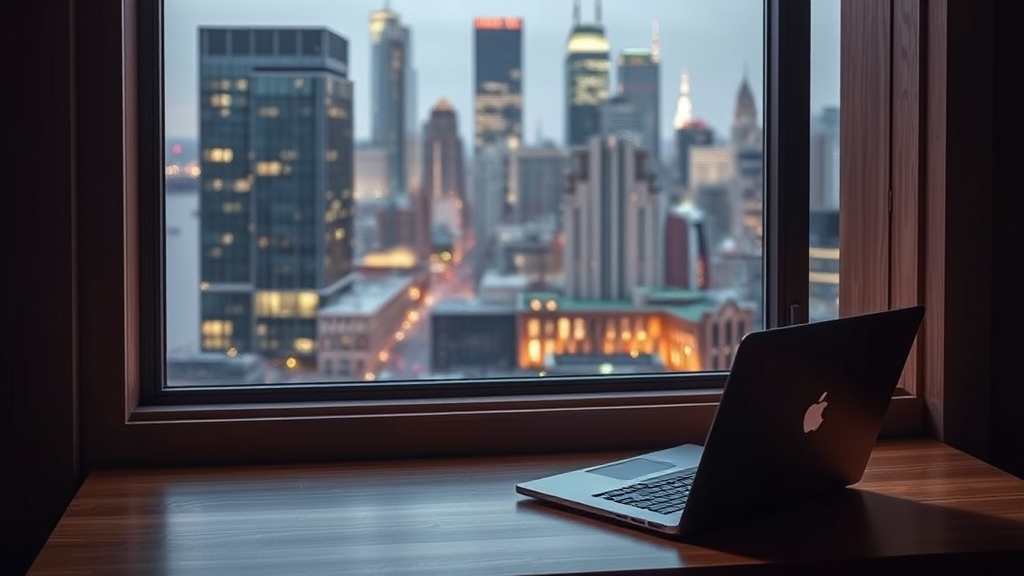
182, 273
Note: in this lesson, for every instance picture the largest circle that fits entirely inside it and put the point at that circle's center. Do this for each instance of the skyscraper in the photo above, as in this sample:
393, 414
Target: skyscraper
498, 81
276, 194
690, 133
388, 93
639, 79
587, 78
536, 184
747, 141
825, 159
443, 174
611, 212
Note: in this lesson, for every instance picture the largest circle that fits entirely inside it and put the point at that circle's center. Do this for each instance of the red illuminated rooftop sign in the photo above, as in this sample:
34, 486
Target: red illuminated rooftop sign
497, 23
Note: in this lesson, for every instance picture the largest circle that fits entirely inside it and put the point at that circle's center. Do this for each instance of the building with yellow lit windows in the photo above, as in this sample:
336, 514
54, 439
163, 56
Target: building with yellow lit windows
276, 198
671, 330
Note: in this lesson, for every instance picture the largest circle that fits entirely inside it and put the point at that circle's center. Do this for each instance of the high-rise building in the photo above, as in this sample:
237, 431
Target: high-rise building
276, 198
388, 92
748, 143
610, 217
371, 173
536, 184
690, 133
696, 134
639, 80
825, 159
490, 189
443, 174
498, 81
823, 288
587, 78
413, 143
687, 263
620, 117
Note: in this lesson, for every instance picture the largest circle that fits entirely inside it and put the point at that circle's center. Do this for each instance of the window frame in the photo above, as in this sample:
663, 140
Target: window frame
119, 428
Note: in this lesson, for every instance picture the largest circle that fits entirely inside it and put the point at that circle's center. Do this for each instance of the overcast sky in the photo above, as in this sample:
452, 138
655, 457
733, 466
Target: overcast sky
715, 40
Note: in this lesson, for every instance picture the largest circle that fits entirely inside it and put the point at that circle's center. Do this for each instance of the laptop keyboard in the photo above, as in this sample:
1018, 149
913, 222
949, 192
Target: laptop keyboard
662, 494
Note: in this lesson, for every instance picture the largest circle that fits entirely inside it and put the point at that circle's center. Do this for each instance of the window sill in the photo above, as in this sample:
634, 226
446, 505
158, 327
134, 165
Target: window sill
909, 514
221, 434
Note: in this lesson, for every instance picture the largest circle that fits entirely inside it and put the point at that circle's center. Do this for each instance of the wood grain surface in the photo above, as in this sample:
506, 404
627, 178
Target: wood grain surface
920, 502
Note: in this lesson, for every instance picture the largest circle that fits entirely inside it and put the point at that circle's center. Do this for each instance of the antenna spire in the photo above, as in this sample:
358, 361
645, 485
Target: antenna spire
576, 12
597, 11
684, 106
655, 41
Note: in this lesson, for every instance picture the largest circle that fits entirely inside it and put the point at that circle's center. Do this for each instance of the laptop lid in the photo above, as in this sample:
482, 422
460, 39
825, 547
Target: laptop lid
800, 414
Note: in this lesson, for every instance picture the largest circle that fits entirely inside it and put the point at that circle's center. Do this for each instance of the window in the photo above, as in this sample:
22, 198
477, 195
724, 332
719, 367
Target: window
639, 106
180, 426
823, 247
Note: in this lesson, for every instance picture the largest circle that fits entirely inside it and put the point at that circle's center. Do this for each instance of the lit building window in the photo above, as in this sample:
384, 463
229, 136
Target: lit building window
304, 345
269, 169
219, 155
222, 100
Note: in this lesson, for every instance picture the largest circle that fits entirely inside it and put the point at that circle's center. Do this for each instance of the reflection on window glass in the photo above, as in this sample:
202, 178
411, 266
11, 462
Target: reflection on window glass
823, 285
358, 192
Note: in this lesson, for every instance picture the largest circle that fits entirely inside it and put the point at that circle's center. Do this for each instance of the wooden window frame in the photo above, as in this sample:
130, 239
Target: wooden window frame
117, 430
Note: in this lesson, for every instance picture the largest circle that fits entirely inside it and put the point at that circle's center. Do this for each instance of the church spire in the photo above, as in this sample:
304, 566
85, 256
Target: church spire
655, 41
684, 106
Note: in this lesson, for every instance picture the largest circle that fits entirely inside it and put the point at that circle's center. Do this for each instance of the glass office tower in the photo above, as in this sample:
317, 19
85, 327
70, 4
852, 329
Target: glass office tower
276, 187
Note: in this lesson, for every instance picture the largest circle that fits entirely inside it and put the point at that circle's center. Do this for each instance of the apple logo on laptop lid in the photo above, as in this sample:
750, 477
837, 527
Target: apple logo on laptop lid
815, 414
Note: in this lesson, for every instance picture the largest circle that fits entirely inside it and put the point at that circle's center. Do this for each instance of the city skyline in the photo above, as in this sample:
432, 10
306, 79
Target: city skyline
715, 41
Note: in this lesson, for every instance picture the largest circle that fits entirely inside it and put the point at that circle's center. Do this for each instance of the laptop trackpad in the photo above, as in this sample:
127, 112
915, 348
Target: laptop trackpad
631, 468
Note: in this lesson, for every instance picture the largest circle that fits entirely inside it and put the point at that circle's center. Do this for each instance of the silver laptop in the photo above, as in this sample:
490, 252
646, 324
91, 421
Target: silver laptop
799, 415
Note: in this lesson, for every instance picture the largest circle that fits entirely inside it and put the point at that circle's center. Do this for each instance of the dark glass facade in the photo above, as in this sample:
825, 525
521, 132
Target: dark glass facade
640, 82
498, 81
475, 341
276, 186
388, 77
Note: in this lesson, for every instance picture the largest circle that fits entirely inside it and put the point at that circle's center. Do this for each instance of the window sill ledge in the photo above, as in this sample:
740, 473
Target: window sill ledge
462, 516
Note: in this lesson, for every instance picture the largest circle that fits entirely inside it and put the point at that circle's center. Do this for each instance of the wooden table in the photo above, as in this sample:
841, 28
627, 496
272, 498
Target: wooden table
921, 506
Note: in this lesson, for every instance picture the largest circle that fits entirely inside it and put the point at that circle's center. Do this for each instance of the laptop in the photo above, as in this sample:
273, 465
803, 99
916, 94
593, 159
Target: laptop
799, 416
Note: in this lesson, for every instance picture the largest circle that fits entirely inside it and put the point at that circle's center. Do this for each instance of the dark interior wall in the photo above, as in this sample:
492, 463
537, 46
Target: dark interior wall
1008, 242
38, 410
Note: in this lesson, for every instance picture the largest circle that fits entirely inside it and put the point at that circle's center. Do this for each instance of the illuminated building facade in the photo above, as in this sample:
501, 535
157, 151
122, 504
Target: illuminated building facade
276, 196
498, 81
686, 331
388, 92
611, 221
823, 296
587, 78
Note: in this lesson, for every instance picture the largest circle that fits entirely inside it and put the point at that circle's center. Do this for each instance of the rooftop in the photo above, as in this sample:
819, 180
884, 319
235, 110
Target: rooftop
367, 296
686, 304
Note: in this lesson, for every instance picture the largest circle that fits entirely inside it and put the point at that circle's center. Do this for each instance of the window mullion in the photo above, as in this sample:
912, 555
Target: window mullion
787, 160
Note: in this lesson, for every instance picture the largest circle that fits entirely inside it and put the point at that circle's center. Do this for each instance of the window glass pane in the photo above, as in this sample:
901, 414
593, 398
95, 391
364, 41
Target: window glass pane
357, 193
823, 266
